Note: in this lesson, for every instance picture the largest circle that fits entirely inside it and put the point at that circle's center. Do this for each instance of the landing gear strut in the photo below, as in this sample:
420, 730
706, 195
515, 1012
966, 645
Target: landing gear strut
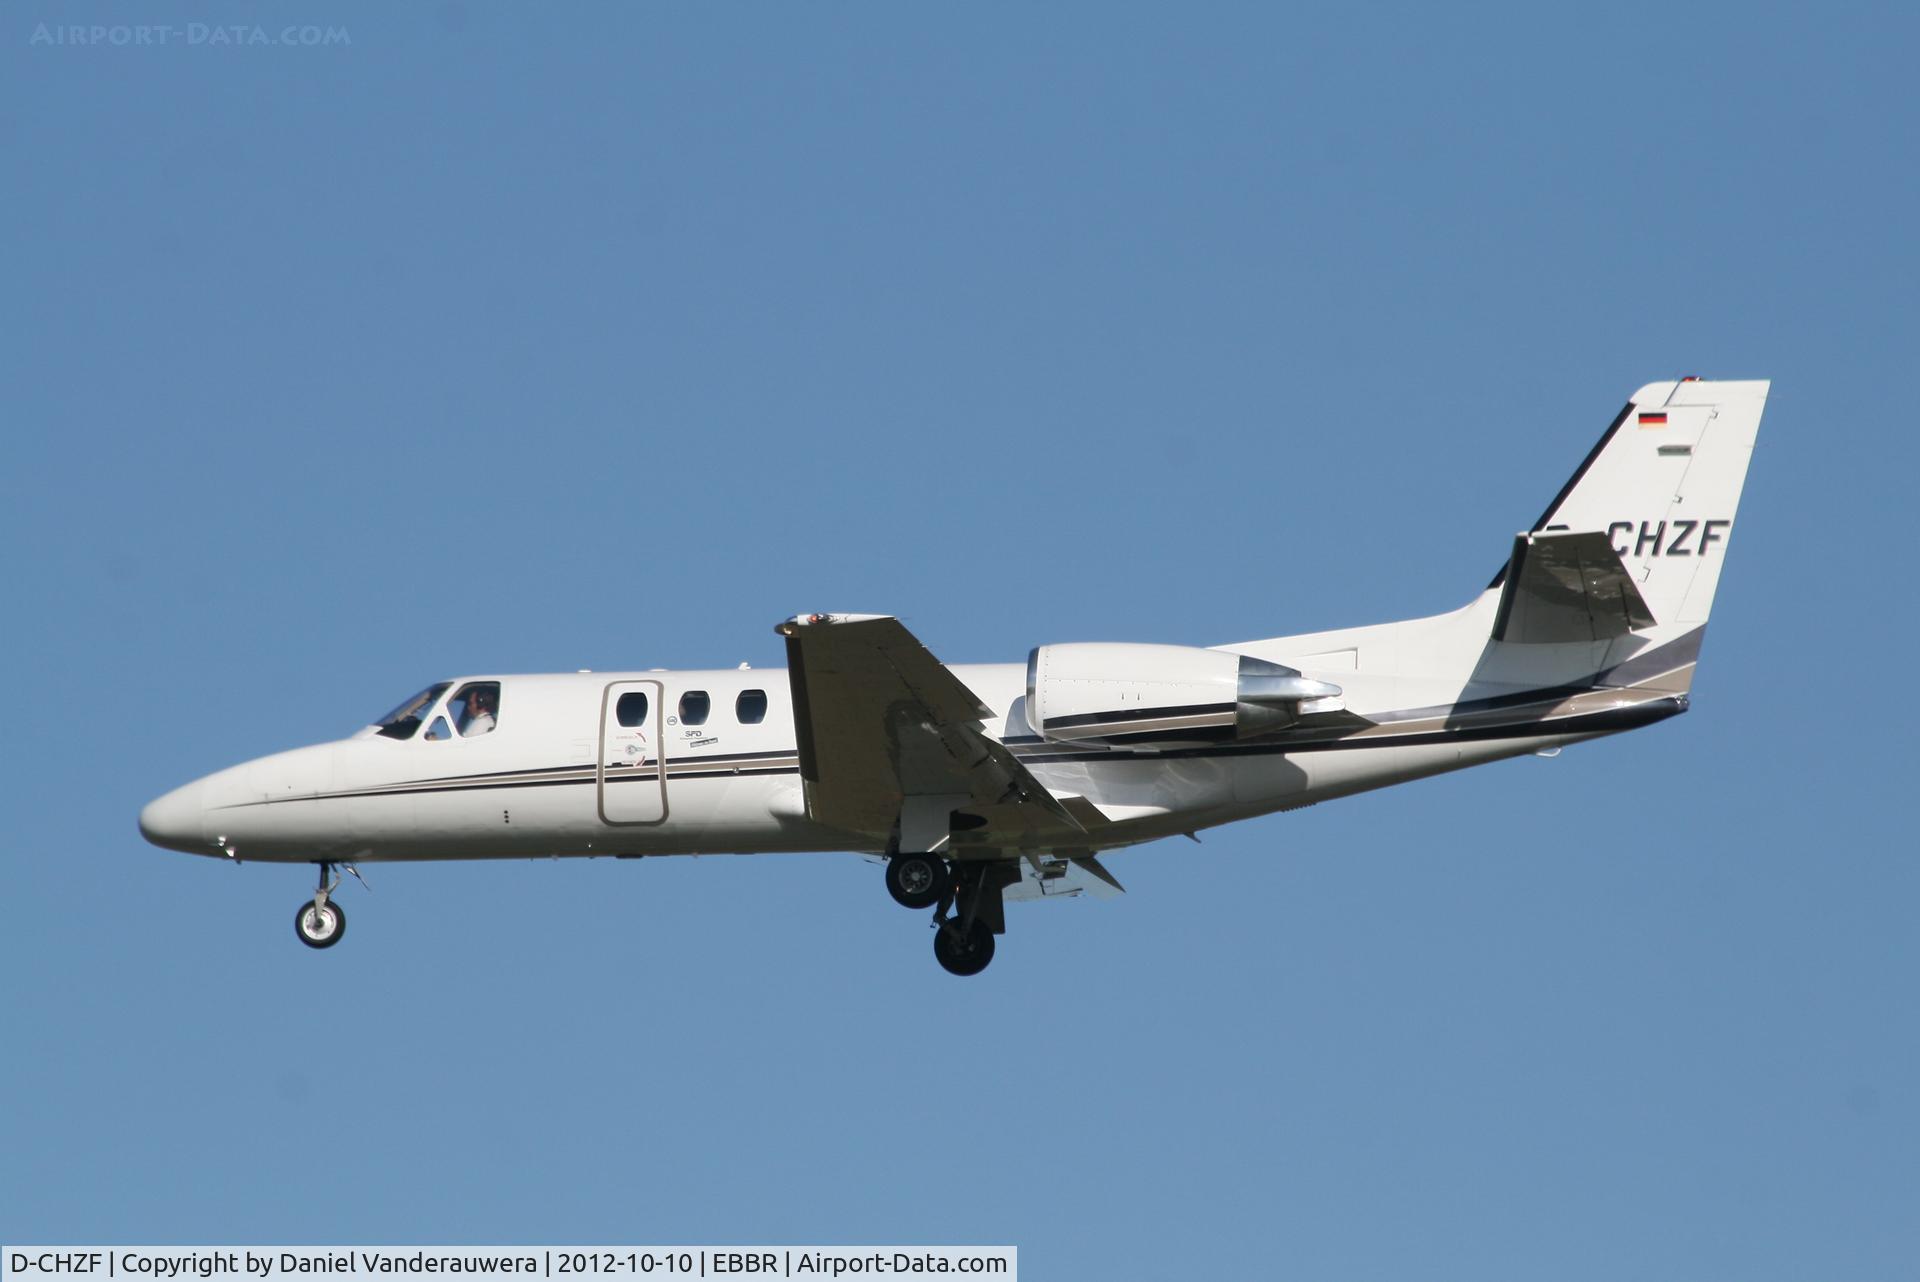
963, 943
918, 881
320, 922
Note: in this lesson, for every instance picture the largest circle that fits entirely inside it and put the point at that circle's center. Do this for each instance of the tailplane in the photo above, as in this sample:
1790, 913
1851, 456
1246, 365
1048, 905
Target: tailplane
1610, 589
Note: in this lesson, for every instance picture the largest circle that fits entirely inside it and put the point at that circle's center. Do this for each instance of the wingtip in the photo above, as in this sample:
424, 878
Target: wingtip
1093, 865
787, 627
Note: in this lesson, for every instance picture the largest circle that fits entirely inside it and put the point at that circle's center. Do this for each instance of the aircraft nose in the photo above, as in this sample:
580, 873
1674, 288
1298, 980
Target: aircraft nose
176, 821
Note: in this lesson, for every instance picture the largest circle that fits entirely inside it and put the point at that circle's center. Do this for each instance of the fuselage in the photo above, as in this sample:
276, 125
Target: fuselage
705, 762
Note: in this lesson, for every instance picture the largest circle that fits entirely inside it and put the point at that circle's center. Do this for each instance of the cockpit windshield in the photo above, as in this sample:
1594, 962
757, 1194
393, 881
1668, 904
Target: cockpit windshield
405, 719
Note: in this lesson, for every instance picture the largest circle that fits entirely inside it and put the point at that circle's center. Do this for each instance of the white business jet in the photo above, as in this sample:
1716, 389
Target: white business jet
981, 784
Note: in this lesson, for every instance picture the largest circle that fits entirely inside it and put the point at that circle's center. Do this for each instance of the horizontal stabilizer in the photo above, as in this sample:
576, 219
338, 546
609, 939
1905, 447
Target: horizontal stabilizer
1567, 587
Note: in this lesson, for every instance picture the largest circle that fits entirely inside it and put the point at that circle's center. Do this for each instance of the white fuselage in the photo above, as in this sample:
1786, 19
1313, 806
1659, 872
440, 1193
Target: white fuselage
558, 775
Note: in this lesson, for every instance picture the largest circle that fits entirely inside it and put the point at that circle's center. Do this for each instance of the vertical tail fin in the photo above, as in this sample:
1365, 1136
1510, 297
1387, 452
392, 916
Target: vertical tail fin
1663, 486
1618, 575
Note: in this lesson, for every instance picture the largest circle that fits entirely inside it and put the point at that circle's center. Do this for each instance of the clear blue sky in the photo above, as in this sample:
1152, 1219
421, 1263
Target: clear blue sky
499, 341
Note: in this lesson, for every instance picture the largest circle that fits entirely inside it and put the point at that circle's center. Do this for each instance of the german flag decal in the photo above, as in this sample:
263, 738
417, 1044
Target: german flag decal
1653, 420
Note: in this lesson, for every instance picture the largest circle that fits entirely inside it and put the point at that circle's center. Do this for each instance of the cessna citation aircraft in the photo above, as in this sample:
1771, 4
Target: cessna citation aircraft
981, 784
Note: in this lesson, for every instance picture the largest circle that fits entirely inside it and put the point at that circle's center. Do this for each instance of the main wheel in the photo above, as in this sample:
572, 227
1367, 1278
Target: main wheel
320, 928
917, 881
966, 954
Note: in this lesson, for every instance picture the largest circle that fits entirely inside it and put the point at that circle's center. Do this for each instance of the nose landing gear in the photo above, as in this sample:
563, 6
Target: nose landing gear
320, 922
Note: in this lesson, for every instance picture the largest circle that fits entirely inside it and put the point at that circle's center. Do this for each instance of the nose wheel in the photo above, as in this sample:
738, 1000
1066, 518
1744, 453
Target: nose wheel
320, 925
320, 922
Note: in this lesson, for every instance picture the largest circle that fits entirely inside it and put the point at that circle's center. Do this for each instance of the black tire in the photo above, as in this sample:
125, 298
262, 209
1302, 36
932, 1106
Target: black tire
963, 954
918, 881
311, 933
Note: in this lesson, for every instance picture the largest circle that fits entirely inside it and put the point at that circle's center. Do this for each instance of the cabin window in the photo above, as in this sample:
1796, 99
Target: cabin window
632, 709
694, 706
751, 707
476, 709
404, 720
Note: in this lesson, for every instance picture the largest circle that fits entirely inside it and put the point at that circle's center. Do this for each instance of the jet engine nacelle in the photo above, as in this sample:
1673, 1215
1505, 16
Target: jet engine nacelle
1164, 694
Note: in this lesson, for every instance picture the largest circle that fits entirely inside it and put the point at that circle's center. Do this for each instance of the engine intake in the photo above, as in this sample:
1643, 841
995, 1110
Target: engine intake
1164, 694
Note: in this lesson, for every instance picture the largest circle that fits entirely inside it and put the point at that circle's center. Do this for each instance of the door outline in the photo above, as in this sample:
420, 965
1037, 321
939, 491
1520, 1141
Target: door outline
658, 705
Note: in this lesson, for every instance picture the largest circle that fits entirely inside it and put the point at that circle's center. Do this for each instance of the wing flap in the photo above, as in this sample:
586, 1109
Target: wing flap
1063, 878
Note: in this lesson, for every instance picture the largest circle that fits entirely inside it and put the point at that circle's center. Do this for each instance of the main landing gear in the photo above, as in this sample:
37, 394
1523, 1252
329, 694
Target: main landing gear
320, 922
965, 897
962, 950
918, 881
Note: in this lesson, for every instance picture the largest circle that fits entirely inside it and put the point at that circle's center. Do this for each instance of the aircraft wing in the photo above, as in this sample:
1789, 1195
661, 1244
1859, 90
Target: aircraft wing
879, 720
1568, 587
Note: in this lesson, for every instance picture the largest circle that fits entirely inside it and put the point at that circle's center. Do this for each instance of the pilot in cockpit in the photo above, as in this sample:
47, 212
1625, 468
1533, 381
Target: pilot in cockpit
476, 718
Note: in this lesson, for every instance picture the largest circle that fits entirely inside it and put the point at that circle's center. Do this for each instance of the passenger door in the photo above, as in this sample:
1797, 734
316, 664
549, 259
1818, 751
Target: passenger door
632, 783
